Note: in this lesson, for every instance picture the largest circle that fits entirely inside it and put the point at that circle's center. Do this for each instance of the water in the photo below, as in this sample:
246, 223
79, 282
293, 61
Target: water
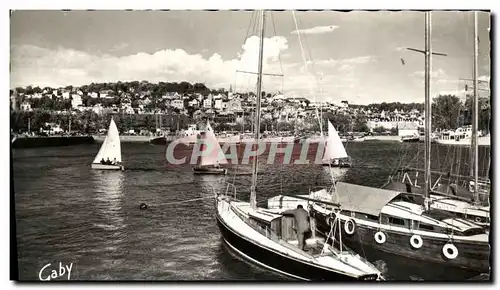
66, 212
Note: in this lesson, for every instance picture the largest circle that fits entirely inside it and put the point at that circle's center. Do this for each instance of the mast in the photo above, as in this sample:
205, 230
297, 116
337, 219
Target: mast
253, 195
475, 111
428, 107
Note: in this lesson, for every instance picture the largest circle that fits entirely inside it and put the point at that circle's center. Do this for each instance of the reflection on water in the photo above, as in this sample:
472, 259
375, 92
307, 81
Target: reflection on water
337, 173
108, 198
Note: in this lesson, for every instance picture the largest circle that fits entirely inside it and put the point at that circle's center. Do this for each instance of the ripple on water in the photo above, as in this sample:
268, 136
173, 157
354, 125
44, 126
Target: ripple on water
67, 212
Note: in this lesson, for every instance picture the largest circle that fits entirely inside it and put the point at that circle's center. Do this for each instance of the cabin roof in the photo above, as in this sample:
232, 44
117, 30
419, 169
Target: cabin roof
363, 199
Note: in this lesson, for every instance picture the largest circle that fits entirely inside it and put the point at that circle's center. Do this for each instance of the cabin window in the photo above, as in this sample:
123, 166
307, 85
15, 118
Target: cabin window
426, 227
397, 222
367, 217
415, 225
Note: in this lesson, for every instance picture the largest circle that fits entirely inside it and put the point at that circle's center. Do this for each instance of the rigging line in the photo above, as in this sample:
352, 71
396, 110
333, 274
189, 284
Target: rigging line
310, 58
279, 54
188, 200
310, 87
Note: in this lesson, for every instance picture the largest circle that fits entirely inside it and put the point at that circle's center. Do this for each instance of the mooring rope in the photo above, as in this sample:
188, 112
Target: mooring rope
184, 201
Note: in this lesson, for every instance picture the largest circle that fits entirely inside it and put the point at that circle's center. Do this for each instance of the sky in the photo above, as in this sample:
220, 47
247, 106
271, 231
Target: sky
353, 56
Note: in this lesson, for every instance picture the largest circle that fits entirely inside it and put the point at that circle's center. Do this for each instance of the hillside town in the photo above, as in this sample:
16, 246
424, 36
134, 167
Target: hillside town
227, 109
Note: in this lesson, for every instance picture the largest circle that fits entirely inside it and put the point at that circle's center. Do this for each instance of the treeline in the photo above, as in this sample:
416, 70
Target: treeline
89, 122
449, 112
155, 89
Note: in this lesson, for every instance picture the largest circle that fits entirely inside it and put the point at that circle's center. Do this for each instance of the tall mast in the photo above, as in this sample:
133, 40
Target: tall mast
428, 106
475, 109
253, 195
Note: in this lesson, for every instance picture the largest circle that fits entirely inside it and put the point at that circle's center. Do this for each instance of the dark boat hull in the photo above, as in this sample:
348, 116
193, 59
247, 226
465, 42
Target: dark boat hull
277, 262
474, 257
209, 170
158, 141
341, 165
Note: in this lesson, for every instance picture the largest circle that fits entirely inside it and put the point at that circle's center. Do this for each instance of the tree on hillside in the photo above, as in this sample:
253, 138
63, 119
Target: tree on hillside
446, 112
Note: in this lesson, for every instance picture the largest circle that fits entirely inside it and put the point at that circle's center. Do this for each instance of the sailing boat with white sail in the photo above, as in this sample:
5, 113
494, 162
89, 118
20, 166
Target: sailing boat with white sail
335, 154
267, 238
395, 222
210, 163
109, 156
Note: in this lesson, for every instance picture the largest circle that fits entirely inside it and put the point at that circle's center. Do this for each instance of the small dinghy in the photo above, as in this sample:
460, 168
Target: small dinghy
335, 154
210, 163
109, 156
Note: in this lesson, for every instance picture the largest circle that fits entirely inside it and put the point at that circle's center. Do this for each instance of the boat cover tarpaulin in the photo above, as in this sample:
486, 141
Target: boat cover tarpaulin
363, 199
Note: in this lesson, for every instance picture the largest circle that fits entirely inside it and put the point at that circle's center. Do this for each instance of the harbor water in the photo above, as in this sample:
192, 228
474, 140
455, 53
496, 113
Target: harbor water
67, 213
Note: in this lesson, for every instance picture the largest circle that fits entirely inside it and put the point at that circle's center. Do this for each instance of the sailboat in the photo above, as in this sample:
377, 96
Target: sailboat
396, 222
470, 199
210, 164
335, 154
109, 156
267, 238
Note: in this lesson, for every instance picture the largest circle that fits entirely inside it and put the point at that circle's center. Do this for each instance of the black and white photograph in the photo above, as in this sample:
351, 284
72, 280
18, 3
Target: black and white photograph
250, 145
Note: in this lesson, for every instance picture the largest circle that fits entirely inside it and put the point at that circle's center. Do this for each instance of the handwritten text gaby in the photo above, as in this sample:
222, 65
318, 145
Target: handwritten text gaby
46, 274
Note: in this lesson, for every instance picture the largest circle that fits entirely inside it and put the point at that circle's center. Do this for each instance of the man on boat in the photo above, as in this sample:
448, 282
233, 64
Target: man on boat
108, 162
103, 161
114, 161
302, 226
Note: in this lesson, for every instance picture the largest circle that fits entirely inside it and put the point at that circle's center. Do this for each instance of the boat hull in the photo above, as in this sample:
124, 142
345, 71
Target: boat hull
209, 170
277, 262
341, 165
473, 256
481, 141
107, 167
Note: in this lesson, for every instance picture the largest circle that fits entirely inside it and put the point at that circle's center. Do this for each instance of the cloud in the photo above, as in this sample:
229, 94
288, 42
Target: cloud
32, 65
316, 30
438, 74
118, 47
37, 66
347, 61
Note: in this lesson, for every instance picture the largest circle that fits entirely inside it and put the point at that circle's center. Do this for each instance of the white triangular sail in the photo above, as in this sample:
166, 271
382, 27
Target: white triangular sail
216, 155
111, 147
334, 147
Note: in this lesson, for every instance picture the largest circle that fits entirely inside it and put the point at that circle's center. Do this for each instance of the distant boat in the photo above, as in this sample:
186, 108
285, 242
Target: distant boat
110, 151
210, 164
335, 154
410, 138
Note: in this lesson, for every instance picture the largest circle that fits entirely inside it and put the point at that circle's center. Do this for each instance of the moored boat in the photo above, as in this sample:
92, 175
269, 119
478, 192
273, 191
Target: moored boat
394, 222
268, 238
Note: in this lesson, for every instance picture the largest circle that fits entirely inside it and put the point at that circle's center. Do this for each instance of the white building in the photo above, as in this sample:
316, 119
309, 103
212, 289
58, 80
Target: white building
218, 104
407, 129
178, 104
207, 104
25, 106
76, 101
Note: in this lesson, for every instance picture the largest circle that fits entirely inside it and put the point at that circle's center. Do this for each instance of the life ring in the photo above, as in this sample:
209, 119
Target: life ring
380, 237
350, 227
478, 219
450, 251
416, 241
